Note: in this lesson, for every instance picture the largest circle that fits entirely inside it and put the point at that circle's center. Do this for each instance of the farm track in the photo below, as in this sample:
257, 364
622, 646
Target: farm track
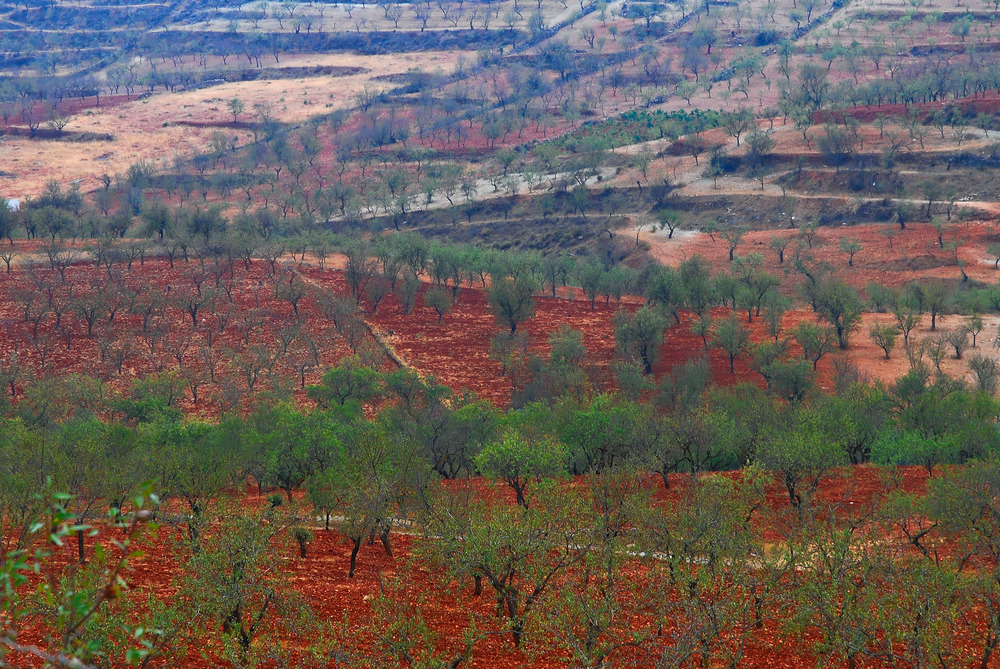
373, 329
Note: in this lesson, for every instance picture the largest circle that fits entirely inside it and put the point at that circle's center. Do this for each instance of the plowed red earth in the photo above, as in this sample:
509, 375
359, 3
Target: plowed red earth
913, 256
456, 351
322, 578
68, 349
974, 105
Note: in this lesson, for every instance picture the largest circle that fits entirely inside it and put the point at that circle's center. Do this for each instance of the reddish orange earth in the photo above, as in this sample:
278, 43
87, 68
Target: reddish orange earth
322, 577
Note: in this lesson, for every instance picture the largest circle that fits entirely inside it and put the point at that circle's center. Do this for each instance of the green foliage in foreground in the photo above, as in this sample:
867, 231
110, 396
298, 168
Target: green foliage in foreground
556, 560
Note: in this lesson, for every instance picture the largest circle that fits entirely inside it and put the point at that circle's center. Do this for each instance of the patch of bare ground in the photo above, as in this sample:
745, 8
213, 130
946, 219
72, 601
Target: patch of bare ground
889, 255
154, 128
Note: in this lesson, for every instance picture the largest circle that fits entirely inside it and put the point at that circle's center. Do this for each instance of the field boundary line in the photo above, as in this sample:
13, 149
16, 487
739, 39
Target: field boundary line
373, 330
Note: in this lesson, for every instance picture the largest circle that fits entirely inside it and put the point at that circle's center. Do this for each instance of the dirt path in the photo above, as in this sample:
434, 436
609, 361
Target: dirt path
517, 181
376, 333
689, 177
688, 173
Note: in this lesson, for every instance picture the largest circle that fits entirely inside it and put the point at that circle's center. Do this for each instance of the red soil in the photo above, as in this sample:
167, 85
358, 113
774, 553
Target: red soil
70, 350
322, 576
456, 351
914, 255
985, 105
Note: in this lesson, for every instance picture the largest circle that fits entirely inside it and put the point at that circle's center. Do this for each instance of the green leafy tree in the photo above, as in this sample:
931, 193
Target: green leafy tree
194, 463
974, 325
851, 247
378, 479
907, 318
639, 335
518, 461
731, 336
765, 356
778, 245
699, 292
512, 301
884, 336
841, 306
985, 372
439, 300
590, 275
668, 219
607, 432
994, 251
294, 445
932, 297
959, 341
737, 123
238, 580
910, 447
510, 350
666, 288
349, 383
841, 593
86, 467
733, 237
803, 455
964, 501
70, 603
236, 107
24, 465
760, 145
303, 537
711, 578
792, 379
521, 554
592, 613
775, 307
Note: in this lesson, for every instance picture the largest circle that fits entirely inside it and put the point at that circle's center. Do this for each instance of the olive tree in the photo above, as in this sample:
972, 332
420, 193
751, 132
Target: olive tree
731, 336
512, 301
884, 336
521, 554
518, 461
639, 335
238, 580
841, 306
803, 455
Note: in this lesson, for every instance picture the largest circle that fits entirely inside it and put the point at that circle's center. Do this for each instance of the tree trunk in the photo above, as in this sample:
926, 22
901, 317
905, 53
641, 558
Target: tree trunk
354, 556
517, 631
384, 537
988, 652
521, 501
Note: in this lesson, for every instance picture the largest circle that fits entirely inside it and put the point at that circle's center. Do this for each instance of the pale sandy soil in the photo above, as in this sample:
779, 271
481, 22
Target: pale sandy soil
148, 129
871, 359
